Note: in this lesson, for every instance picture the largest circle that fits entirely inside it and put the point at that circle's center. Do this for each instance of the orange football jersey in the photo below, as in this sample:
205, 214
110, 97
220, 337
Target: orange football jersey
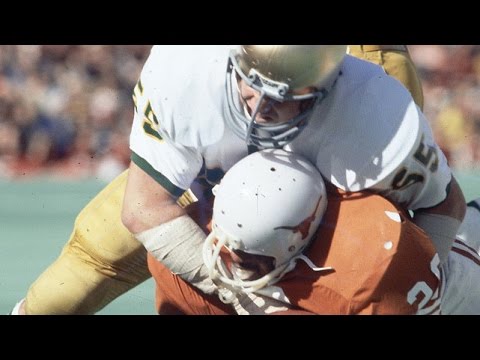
383, 264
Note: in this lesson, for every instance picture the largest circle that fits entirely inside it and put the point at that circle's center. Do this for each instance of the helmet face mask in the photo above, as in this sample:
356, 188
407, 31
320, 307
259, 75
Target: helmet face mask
269, 204
246, 266
277, 73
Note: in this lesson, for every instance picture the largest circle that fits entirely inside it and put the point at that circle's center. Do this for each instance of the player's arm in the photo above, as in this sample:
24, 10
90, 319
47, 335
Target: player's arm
423, 181
439, 206
150, 195
442, 221
147, 204
437, 201
151, 213
160, 172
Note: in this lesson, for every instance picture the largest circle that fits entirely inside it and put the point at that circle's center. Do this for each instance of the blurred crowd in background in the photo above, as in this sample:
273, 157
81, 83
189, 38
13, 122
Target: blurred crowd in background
450, 77
66, 110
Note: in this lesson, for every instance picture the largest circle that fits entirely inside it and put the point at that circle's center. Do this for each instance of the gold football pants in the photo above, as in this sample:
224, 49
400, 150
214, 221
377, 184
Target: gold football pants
396, 61
101, 261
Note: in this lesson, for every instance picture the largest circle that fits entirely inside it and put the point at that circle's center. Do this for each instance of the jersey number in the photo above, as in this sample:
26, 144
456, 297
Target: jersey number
421, 292
425, 155
149, 117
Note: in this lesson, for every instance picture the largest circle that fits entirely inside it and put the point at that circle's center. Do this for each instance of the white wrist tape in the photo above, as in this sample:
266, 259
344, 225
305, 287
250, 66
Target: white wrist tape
178, 245
442, 230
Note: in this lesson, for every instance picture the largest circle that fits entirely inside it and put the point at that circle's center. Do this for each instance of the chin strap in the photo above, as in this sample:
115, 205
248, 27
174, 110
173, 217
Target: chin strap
312, 266
227, 292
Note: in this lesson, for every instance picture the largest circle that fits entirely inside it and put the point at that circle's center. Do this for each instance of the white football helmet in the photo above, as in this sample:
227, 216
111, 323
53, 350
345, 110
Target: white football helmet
270, 203
276, 71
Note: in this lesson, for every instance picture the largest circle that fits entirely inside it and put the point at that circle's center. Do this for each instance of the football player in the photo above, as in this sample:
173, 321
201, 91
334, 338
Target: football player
283, 242
194, 120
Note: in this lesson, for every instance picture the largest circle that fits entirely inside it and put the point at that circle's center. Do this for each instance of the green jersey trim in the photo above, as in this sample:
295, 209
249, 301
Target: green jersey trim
158, 177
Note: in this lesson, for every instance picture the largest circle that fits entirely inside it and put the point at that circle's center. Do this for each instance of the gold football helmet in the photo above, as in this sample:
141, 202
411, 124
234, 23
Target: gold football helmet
277, 72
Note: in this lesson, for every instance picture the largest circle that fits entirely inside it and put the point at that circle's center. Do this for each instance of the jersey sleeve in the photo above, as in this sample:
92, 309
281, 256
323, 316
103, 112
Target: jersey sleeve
421, 180
152, 138
377, 138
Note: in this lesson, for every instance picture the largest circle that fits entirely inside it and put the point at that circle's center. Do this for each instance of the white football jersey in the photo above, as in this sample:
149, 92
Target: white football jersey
367, 133
179, 122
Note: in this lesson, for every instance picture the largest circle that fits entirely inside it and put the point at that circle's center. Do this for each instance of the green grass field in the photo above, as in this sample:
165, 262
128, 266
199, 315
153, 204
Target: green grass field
36, 219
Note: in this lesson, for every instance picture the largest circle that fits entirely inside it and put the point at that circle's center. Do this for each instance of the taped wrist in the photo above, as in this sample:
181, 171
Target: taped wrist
178, 245
442, 230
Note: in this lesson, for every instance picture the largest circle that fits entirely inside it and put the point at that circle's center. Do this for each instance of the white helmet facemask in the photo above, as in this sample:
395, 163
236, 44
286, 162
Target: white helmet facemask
276, 72
270, 204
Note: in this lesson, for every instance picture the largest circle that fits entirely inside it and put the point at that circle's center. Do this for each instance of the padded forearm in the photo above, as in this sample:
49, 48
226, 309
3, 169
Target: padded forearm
178, 245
